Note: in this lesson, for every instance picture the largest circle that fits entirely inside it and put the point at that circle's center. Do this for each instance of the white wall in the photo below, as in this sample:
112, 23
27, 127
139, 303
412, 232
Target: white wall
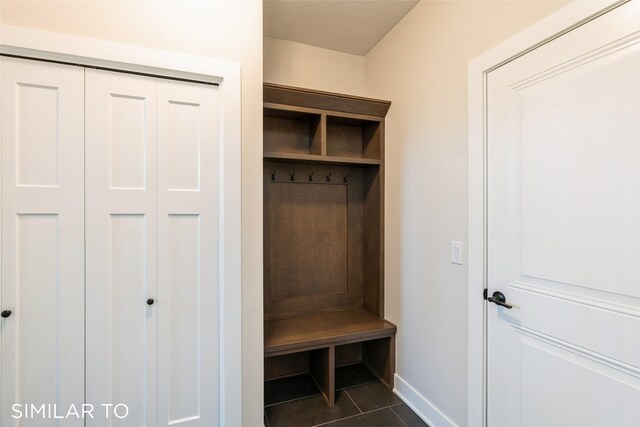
297, 64
421, 66
229, 30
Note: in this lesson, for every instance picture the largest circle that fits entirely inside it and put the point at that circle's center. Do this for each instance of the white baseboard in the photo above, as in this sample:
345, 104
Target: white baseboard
421, 405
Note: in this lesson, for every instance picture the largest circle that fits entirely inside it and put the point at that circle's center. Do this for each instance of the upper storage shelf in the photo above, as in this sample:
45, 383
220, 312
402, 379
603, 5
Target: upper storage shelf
353, 137
320, 127
291, 130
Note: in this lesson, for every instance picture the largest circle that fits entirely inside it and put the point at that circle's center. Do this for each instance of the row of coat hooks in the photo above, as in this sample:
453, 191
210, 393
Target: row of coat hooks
310, 176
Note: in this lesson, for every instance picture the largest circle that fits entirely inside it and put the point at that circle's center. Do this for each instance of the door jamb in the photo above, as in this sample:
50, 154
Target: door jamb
564, 20
41, 45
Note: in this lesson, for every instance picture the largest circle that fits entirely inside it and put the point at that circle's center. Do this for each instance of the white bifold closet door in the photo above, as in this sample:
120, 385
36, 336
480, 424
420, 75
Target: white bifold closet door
188, 258
42, 267
121, 246
152, 220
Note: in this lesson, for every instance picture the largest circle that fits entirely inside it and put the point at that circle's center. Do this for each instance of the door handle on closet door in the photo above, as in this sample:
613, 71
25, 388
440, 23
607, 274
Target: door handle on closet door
150, 301
6, 313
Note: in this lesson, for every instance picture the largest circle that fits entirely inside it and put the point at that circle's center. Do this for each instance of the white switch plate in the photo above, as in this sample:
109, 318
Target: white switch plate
456, 252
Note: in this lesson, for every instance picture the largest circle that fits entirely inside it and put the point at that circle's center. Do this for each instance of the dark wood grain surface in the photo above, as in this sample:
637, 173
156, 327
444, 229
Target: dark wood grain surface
318, 329
313, 254
322, 367
311, 98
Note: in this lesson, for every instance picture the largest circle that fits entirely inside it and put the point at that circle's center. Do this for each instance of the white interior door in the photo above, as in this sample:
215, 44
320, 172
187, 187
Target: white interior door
121, 246
564, 230
42, 340
188, 260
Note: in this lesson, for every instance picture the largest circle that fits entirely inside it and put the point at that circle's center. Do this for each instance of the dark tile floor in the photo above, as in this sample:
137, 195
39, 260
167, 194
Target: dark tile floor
360, 401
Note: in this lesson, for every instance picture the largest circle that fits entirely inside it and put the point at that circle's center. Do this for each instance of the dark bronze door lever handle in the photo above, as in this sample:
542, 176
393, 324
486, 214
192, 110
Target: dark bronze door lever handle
499, 298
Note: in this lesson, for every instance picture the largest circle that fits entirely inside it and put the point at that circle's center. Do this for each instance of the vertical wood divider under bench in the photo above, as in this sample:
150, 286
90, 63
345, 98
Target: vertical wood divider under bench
322, 364
379, 357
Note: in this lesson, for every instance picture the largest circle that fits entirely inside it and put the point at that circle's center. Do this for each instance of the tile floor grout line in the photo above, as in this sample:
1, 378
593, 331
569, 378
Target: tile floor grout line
398, 416
375, 409
357, 385
292, 400
354, 402
346, 418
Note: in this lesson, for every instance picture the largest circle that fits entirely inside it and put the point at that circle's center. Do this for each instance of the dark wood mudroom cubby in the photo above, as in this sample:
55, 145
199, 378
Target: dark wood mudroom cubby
323, 236
292, 131
351, 136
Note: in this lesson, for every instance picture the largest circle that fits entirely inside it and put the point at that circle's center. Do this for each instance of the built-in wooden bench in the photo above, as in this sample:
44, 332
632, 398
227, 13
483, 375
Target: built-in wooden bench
320, 334
316, 330
324, 236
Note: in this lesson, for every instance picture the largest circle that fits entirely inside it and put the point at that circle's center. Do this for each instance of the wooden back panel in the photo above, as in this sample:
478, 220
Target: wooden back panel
313, 239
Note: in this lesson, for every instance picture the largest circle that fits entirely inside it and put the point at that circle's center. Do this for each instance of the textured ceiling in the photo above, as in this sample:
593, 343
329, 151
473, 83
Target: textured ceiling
352, 26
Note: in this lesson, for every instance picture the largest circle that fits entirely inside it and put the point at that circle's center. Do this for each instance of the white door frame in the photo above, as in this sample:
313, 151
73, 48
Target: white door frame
82, 51
564, 20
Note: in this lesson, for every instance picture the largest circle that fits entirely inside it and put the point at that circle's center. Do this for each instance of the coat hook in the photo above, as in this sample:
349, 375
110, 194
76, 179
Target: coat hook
329, 177
273, 175
293, 175
310, 176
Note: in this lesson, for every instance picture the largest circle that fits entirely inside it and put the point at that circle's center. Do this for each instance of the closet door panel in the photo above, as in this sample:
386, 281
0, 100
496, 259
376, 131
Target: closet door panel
121, 246
128, 322
42, 239
188, 257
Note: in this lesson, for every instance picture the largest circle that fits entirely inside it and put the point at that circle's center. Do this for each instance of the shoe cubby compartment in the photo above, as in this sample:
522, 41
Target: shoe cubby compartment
286, 356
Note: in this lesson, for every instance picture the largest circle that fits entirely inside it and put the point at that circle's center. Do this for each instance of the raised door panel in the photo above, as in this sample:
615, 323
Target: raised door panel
188, 254
42, 201
121, 246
